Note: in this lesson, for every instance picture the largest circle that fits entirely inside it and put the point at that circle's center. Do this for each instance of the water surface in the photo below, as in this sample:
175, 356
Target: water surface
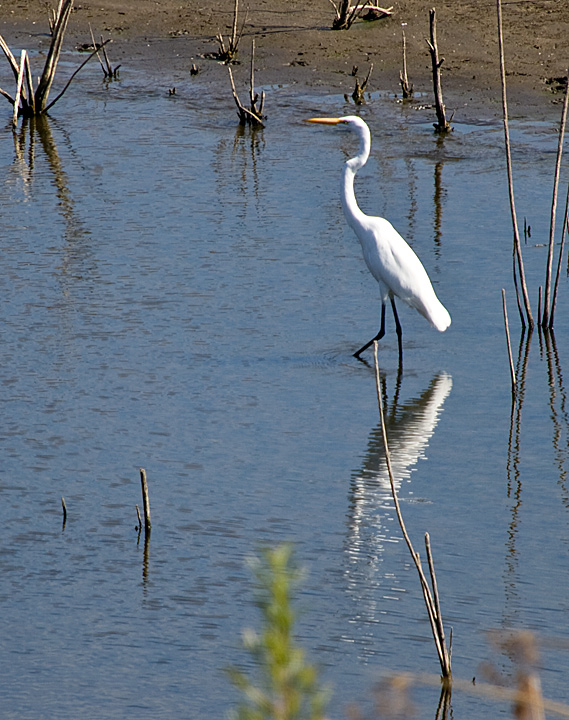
184, 296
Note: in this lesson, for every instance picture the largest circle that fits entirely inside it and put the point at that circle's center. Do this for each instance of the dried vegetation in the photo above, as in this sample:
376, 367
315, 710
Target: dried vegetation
28, 100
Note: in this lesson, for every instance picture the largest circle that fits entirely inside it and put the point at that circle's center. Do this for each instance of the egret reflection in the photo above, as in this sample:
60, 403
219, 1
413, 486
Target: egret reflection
372, 522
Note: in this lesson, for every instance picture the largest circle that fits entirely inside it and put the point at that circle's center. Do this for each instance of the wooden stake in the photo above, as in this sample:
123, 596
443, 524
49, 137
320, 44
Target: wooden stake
406, 87
145, 502
442, 125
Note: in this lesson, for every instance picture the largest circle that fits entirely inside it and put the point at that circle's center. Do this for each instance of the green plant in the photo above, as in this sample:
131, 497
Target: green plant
288, 687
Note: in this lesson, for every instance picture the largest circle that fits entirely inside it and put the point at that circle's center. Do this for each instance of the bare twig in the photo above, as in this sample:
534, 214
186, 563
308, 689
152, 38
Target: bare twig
517, 243
53, 15
442, 125
431, 603
10, 57
107, 68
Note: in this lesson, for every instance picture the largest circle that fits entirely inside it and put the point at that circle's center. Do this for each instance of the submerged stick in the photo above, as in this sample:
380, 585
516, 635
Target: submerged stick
432, 605
145, 502
64, 508
507, 328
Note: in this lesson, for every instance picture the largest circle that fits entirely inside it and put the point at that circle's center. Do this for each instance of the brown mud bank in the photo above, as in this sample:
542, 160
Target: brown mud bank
295, 45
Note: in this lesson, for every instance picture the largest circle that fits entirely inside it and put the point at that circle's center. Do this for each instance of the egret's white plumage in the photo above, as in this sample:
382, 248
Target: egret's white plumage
391, 261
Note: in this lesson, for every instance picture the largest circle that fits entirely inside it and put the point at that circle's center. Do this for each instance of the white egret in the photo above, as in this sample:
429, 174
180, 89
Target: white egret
390, 260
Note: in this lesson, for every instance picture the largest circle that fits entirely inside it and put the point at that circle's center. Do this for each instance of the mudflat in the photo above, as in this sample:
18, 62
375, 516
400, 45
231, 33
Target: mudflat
295, 44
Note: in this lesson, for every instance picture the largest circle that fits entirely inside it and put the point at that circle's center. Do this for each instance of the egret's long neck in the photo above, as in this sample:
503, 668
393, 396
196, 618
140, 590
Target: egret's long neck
349, 203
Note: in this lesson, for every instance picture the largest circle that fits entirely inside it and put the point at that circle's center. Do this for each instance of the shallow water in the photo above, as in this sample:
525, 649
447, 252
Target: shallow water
184, 296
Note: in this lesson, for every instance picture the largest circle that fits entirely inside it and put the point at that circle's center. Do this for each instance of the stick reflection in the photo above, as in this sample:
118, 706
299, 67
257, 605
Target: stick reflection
372, 523
559, 414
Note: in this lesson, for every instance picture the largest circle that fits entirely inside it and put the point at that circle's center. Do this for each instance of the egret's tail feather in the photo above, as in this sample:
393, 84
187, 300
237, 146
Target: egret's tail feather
440, 319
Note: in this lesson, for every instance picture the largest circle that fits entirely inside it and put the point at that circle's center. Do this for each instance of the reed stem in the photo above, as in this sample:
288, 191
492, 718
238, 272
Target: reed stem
546, 319
517, 243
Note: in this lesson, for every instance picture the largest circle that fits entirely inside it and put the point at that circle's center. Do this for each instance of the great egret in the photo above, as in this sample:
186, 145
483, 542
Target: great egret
391, 261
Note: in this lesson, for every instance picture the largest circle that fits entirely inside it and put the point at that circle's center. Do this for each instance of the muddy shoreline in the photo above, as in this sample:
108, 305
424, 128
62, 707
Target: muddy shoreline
295, 45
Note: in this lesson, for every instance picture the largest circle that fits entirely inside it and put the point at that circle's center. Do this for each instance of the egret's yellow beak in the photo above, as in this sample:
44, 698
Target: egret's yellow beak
324, 121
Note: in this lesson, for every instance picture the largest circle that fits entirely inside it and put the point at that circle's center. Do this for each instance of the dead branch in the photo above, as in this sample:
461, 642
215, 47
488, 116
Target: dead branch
372, 12
346, 14
27, 101
227, 53
254, 114
52, 59
442, 125
108, 70
358, 95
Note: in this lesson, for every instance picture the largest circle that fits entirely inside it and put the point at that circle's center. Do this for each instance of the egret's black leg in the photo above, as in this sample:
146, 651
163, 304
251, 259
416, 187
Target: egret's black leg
379, 335
397, 329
